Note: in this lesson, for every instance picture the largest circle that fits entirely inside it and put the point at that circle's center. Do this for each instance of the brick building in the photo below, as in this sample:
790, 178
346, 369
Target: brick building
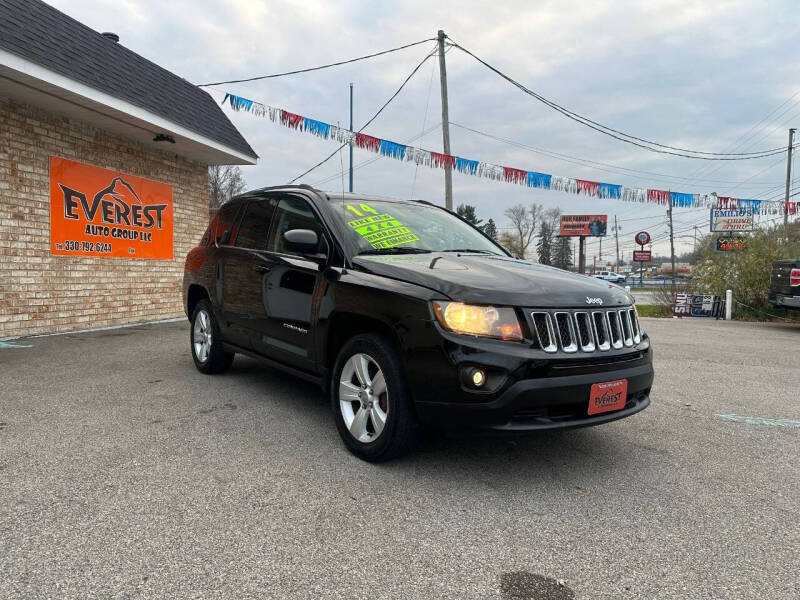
70, 95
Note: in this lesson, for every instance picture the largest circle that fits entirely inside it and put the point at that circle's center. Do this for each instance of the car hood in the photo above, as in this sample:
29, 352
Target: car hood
485, 279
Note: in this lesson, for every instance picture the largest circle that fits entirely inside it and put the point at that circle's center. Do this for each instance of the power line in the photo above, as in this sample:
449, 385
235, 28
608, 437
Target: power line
590, 163
621, 136
336, 64
372, 118
377, 157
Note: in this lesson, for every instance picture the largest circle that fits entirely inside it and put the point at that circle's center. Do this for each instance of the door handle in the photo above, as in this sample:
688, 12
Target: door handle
262, 269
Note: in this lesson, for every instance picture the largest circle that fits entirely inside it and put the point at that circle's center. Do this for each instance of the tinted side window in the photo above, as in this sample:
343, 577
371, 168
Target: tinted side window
292, 213
254, 228
221, 228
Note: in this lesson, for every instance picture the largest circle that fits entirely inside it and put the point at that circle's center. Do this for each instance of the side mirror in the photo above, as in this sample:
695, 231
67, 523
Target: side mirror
302, 241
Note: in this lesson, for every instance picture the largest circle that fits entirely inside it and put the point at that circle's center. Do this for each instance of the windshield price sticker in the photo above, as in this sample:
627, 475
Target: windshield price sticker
380, 230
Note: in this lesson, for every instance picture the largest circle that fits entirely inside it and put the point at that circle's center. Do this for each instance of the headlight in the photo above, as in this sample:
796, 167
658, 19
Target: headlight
483, 321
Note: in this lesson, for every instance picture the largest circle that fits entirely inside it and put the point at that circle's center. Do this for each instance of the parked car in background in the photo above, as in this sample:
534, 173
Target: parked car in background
409, 316
610, 276
784, 288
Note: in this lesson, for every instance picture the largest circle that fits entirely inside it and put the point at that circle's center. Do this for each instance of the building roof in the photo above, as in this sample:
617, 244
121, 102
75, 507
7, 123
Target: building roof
43, 35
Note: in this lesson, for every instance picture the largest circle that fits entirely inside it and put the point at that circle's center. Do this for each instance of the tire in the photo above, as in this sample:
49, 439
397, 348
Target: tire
400, 430
205, 341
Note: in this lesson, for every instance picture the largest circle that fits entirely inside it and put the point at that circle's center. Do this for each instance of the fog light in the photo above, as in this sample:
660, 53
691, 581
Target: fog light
478, 378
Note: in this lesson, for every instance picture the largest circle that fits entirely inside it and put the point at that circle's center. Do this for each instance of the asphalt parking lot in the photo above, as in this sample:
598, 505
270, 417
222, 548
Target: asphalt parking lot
126, 473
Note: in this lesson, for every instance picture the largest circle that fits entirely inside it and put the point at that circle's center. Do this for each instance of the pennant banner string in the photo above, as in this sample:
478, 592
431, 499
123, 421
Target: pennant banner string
486, 170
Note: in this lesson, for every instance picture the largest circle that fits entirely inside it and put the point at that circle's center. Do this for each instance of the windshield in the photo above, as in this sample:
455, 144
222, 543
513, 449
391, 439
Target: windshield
382, 227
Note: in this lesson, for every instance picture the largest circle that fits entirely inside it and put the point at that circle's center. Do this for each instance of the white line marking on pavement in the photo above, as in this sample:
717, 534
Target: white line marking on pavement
761, 421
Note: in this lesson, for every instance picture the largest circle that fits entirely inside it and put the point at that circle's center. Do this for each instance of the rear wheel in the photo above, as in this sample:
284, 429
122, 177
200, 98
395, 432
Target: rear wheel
206, 342
370, 400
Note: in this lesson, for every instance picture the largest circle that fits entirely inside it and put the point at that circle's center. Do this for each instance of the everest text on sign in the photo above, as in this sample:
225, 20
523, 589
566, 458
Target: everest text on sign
103, 213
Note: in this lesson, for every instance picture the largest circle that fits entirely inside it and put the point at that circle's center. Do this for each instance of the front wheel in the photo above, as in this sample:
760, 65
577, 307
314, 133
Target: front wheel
370, 400
206, 342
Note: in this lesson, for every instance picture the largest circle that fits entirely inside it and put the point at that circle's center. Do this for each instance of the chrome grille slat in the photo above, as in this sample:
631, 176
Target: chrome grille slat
600, 330
544, 331
566, 332
586, 331
614, 329
637, 332
627, 334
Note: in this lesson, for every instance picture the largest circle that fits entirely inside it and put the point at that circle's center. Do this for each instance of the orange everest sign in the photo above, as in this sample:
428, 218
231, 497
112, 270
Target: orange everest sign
103, 213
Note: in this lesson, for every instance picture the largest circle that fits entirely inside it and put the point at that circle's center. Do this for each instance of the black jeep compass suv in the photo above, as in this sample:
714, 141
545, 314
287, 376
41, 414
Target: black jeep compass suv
410, 316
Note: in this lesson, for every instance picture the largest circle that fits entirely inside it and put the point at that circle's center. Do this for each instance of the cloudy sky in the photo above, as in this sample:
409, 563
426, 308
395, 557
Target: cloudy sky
708, 75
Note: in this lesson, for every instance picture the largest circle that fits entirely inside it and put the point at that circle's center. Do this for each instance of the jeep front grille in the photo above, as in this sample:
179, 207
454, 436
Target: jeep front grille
586, 331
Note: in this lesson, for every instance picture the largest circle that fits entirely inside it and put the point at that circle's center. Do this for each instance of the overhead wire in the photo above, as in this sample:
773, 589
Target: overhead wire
371, 119
327, 66
621, 136
590, 163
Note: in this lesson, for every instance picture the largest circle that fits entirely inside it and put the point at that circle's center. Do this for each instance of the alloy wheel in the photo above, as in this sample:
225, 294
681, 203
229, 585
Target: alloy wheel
201, 337
363, 398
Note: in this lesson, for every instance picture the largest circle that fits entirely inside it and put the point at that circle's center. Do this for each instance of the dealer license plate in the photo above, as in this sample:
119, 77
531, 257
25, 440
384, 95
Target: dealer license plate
608, 396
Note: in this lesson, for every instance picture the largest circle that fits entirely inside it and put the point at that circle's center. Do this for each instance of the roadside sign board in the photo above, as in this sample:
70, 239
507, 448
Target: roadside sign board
642, 238
731, 243
584, 225
103, 213
726, 220
698, 305
642, 256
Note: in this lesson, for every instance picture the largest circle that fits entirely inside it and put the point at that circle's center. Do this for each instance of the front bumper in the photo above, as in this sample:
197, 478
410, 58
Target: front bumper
547, 403
534, 391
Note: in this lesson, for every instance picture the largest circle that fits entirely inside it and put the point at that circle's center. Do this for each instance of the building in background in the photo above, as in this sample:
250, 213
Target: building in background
104, 161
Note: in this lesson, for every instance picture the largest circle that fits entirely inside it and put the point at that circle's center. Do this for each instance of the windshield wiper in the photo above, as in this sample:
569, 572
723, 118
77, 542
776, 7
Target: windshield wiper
397, 250
470, 250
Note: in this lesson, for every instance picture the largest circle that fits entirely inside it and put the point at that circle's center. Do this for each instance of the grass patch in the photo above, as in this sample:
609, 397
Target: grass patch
653, 310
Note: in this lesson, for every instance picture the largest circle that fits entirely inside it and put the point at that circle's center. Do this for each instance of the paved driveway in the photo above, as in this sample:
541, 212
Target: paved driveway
126, 473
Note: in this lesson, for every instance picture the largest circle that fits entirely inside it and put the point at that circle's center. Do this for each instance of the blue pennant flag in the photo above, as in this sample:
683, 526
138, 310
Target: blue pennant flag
681, 200
754, 205
238, 103
538, 180
318, 128
392, 149
465, 165
609, 190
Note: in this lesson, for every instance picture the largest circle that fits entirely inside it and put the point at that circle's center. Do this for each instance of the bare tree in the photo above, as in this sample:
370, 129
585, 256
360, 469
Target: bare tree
224, 182
523, 225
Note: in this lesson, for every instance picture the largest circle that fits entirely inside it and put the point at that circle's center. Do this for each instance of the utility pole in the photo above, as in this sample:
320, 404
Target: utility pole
788, 182
600, 252
448, 173
616, 233
671, 242
581, 254
695, 239
351, 130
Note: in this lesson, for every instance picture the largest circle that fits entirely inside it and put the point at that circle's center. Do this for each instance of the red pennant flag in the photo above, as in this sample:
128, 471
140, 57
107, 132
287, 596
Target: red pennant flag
587, 187
442, 160
727, 202
368, 142
291, 120
515, 175
658, 196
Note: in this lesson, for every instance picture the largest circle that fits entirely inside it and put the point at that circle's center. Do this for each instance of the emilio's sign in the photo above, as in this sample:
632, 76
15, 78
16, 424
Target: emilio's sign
103, 213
